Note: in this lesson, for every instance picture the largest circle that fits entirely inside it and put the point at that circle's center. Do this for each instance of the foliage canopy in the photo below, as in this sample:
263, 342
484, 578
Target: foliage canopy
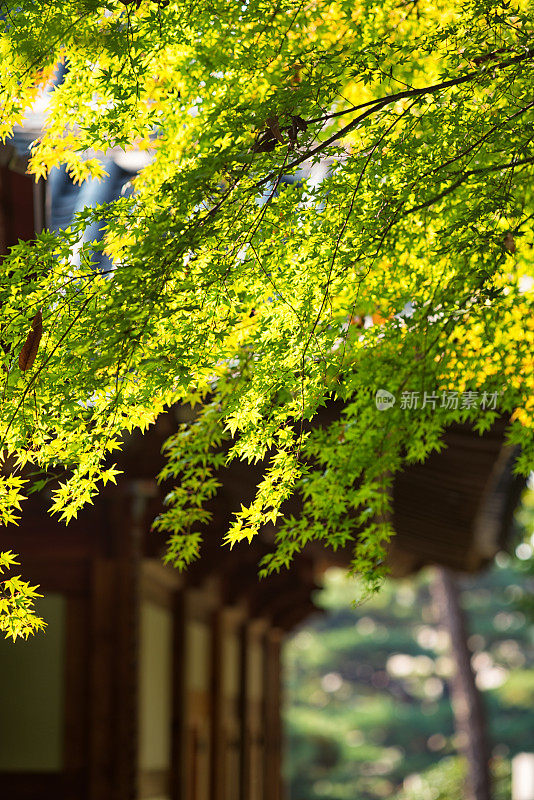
407, 129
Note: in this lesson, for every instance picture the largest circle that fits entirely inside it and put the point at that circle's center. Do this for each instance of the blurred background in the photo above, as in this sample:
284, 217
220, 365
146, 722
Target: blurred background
368, 710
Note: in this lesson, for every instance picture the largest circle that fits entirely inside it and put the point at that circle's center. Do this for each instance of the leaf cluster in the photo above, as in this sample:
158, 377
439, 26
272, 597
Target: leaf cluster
339, 202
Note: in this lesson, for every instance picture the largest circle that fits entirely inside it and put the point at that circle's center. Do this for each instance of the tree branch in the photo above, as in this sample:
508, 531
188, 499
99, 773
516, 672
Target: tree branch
373, 106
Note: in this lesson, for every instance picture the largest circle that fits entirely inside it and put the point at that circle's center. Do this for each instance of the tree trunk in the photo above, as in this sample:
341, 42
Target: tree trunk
467, 704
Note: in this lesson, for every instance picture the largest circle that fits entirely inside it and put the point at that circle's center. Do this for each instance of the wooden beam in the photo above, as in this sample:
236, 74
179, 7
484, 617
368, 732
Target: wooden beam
44, 785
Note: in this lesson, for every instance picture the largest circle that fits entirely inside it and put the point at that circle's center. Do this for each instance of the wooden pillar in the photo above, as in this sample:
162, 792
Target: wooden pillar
76, 710
102, 684
226, 686
272, 774
252, 710
114, 652
159, 585
192, 717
